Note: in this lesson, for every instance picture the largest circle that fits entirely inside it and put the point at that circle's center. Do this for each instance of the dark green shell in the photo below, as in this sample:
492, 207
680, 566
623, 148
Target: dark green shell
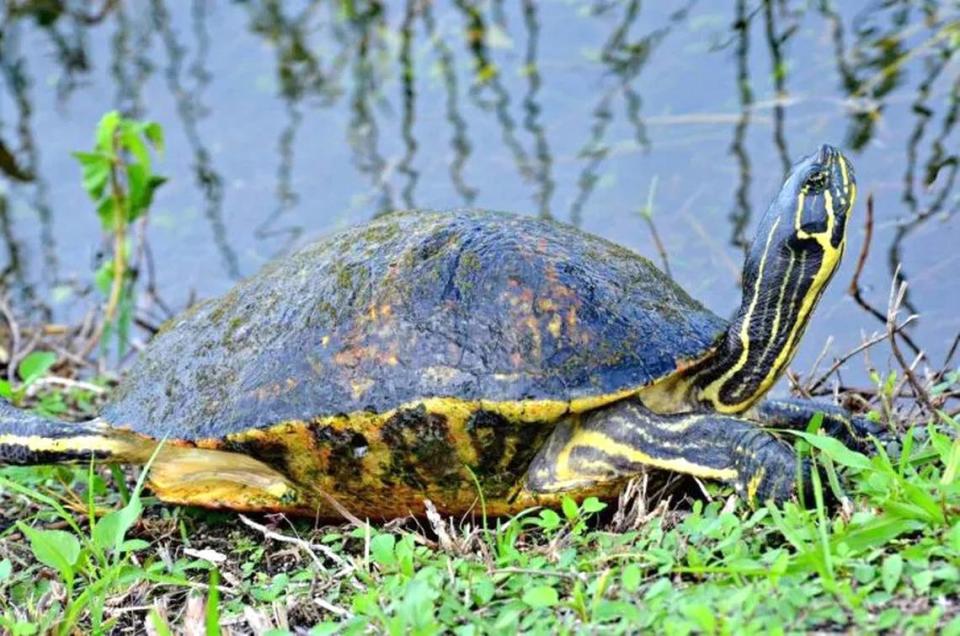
467, 304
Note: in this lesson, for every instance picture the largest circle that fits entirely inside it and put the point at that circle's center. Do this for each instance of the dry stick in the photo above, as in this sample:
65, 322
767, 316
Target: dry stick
876, 339
896, 297
306, 546
816, 363
952, 350
854, 288
660, 247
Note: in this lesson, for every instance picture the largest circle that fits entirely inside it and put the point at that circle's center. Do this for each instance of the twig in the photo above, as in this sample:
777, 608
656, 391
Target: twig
339, 507
306, 546
839, 362
330, 607
951, 351
66, 382
647, 213
897, 293
854, 288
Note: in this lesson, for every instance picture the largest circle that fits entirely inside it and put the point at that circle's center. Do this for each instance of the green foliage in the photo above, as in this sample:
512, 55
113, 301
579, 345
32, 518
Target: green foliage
877, 561
90, 566
33, 367
118, 176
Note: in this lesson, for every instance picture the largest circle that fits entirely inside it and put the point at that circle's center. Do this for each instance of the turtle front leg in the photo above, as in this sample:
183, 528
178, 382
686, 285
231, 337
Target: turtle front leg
854, 431
623, 439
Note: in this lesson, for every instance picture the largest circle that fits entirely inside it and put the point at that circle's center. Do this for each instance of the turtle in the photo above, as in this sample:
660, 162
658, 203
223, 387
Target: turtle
474, 359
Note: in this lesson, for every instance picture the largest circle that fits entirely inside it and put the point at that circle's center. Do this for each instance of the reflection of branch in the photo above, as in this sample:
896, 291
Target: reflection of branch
209, 181
364, 133
459, 142
408, 84
626, 61
488, 76
286, 196
12, 268
16, 78
10, 167
779, 72
532, 108
741, 213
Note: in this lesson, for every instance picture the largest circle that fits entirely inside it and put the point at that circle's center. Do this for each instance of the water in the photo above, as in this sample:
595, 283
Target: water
289, 120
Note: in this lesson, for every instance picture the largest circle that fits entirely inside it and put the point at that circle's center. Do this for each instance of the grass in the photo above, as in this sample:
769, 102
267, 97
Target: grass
77, 556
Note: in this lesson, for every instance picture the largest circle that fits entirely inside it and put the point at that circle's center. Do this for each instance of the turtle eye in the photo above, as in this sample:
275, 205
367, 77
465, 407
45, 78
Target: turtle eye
816, 182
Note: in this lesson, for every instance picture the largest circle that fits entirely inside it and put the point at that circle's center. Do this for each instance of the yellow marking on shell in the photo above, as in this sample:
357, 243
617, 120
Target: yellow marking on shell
359, 387
555, 325
712, 391
566, 474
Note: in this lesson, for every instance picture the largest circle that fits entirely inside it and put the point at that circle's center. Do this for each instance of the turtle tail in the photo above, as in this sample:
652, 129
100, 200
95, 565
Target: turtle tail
26, 439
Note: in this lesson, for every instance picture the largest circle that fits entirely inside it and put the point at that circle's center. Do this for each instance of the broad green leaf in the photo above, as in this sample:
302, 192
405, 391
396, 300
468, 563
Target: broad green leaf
96, 171
891, 572
381, 548
35, 365
6, 569
570, 510
549, 520
6, 391
592, 505
111, 529
134, 545
132, 141
107, 211
137, 181
953, 464
876, 532
105, 129
630, 579
482, 591
103, 277
835, 449
541, 596
54, 548
154, 132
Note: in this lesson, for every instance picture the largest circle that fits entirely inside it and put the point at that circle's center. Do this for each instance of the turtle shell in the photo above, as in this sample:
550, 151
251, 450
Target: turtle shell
472, 305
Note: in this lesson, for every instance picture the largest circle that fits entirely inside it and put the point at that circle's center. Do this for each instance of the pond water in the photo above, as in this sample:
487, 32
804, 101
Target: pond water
289, 120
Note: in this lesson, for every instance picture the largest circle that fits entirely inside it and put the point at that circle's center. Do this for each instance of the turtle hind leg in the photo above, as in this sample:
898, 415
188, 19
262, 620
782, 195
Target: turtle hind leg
221, 479
620, 441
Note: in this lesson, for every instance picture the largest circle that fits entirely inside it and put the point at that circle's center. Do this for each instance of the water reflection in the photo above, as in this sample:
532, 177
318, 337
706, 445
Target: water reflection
289, 119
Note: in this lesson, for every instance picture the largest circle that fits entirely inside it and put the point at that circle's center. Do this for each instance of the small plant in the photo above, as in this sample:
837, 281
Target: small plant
90, 565
118, 175
33, 367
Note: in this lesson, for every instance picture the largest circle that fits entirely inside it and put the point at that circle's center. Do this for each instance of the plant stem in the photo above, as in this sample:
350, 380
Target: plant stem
119, 235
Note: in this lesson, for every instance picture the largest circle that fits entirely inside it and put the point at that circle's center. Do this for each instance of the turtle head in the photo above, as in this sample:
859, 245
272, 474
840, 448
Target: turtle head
810, 213
798, 246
